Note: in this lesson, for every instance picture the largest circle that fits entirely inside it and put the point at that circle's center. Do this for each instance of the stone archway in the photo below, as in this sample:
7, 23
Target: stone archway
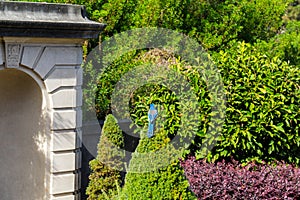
23, 137
40, 67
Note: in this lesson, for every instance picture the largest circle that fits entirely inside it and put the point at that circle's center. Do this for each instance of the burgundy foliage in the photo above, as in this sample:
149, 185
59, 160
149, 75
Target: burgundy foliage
229, 180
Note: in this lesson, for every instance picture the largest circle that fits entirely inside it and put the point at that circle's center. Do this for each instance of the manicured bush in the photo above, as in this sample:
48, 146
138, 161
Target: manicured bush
230, 180
105, 176
150, 178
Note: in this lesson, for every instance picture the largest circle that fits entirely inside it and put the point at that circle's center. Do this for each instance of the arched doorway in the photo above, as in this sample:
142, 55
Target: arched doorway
23, 137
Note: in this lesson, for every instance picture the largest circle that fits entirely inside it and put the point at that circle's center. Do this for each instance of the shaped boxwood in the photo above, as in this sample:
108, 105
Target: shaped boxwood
105, 176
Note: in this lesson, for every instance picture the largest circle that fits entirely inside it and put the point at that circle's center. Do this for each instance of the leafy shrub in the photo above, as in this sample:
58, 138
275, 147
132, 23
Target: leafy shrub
105, 176
159, 95
263, 19
262, 105
229, 180
150, 92
286, 45
293, 11
262, 114
250, 125
165, 182
213, 23
108, 80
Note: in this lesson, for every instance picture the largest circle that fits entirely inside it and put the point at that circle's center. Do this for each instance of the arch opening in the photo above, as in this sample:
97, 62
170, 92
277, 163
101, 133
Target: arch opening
23, 137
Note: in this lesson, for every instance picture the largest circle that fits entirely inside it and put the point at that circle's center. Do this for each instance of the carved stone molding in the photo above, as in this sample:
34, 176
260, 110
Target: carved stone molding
12, 52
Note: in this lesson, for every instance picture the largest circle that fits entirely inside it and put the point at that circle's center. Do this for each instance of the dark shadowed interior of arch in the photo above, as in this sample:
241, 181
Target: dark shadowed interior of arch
22, 157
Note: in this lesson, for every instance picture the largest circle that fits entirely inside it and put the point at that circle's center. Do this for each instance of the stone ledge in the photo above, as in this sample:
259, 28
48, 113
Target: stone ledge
64, 77
27, 19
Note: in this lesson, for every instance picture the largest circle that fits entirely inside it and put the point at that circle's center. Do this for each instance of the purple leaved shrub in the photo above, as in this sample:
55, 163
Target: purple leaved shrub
230, 180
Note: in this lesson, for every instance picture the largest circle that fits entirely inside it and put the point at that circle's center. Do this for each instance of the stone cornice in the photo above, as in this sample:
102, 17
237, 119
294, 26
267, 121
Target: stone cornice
26, 19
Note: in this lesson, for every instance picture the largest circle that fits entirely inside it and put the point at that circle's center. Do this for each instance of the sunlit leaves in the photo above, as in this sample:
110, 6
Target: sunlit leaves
262, 118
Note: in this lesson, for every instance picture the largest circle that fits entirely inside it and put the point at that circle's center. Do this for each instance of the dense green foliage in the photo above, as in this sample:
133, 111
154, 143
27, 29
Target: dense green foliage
293, 11
167, 182
262, 106
285, 46
213, 23
105, 176
143, 96
112, 75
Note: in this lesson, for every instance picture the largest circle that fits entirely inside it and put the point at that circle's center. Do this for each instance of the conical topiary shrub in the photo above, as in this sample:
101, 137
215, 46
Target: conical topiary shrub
106, 168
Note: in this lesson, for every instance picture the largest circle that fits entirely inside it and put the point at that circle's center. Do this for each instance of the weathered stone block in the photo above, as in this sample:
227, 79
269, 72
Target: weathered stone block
79, 117
79, 138
78, 159
2, 54
30, 55
63, 77
67, 98
12, 55
63, 141
64, 119
55, 56
79, 76
77, 180
63, 162
63, 183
